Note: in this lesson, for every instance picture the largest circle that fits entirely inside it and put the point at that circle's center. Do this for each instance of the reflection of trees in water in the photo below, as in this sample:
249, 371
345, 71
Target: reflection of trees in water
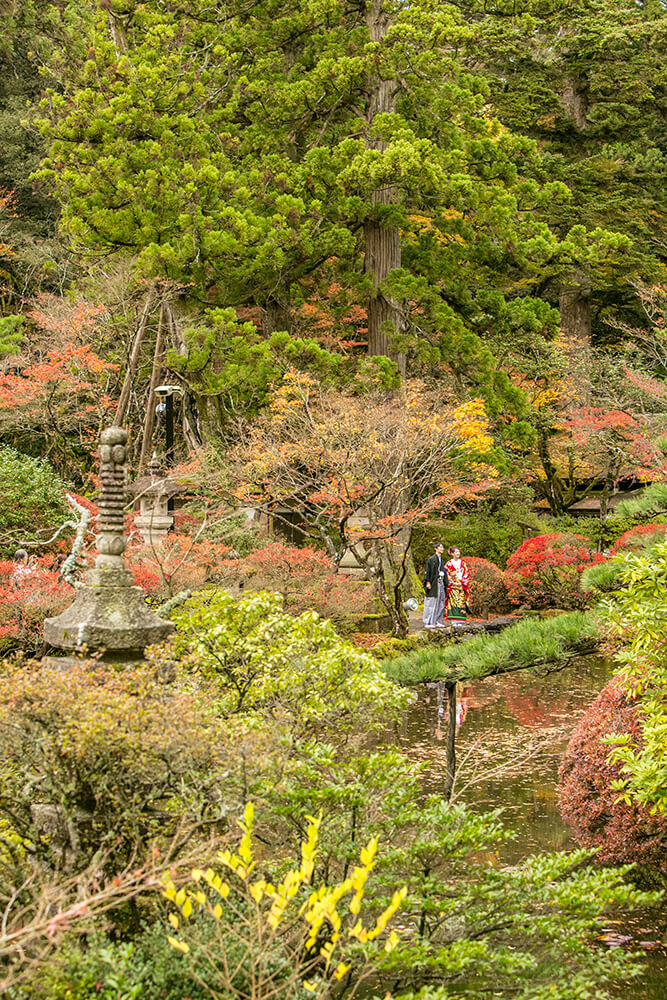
509, 735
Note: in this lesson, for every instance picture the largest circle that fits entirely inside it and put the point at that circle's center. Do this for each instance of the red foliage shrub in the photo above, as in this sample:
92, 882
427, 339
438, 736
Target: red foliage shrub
303, 577
28, 595
623, 833
544, 572
487, 586
637, 538
176, 563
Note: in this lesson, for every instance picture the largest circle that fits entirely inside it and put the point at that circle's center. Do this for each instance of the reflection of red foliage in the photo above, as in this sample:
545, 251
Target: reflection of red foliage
525, 706
624, 833
544, 571
487, 586
637, 538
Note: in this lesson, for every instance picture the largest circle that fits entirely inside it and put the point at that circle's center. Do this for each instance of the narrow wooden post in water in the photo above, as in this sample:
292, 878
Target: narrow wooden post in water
450, 687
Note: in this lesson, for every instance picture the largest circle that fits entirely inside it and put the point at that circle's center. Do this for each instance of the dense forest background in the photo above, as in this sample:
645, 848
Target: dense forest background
471, 194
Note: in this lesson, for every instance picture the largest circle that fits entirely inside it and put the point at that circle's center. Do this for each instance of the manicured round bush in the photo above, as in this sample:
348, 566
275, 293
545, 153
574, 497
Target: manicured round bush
623, 832
639, 537
488, 592
33, 500
544, 572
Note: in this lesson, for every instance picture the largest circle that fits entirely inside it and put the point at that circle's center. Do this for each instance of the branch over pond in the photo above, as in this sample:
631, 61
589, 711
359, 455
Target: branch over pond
545, 642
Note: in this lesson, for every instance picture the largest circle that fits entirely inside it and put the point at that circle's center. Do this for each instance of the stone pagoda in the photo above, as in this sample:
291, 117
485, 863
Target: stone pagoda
109, 613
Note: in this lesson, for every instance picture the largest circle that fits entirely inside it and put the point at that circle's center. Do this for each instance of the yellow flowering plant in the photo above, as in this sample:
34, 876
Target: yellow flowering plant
245, 937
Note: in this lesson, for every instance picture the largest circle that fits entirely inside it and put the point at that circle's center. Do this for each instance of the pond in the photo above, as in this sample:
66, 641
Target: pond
511, 735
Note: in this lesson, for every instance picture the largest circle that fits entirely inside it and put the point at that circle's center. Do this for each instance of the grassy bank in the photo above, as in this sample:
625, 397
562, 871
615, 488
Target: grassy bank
530, 643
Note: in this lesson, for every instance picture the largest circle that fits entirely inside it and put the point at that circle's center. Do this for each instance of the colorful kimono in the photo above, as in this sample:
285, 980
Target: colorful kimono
458, 590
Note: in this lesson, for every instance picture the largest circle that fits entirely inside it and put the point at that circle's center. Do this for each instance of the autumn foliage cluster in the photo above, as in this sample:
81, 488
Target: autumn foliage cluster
622, 831
544, 571
27, 597
304, 578
638, 538
488, 591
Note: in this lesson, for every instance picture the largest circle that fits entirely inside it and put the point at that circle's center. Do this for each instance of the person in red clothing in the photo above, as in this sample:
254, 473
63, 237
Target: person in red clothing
458, 587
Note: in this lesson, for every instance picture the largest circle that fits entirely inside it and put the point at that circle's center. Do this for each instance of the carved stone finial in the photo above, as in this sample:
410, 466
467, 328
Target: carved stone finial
110, 541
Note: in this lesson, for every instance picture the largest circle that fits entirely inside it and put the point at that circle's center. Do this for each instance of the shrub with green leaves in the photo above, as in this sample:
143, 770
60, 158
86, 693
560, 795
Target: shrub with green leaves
267, 663
33, 499
98, 762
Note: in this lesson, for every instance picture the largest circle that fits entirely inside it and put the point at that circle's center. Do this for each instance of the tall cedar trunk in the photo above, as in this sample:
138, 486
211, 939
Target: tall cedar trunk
275, 316
575, 309
575, 295
382, 243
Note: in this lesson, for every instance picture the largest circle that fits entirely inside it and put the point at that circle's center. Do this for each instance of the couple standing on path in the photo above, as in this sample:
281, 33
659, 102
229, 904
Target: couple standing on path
447, 588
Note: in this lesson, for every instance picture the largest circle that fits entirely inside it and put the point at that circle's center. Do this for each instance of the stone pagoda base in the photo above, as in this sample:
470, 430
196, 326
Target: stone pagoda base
108, 613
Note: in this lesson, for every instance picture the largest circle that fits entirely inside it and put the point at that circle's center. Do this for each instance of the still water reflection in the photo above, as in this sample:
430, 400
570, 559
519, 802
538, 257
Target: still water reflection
511, 735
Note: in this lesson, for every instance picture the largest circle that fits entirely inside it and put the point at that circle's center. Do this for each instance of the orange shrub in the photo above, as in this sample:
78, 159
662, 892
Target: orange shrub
27, 597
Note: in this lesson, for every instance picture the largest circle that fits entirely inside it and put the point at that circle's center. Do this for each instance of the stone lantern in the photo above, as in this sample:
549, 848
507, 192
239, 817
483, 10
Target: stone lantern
109, 612
154, 493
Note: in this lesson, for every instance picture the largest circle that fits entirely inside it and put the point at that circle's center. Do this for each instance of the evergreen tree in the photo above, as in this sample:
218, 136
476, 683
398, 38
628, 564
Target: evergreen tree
244, 152
587, 81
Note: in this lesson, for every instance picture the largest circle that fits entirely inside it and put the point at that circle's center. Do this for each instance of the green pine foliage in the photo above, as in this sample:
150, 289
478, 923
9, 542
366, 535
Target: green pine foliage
11, 334
533, 642
237, 155
588, 82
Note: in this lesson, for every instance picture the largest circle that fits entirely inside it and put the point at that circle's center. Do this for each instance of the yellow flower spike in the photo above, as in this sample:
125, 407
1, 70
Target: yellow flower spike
245, 847
368, 853
356, 930
391, 942
223, 890
178, 945
173, 920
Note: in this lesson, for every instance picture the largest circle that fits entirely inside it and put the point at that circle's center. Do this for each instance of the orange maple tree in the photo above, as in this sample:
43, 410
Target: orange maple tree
59, 392
360, 471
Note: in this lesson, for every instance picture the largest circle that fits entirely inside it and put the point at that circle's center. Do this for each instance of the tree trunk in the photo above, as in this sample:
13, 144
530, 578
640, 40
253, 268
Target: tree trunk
450, 687
276, 315
382, 242
575, 309
126, 391
575, 295
575, 99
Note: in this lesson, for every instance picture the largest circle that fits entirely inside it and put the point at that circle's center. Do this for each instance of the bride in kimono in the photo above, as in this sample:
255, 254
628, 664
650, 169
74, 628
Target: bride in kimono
458, 587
